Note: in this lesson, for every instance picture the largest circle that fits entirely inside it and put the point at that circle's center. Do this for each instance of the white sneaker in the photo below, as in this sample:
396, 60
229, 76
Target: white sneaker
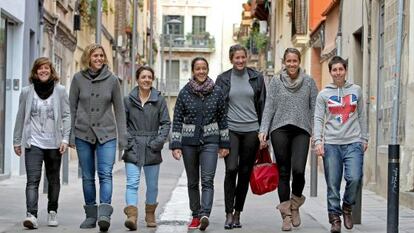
30, 221
52, 219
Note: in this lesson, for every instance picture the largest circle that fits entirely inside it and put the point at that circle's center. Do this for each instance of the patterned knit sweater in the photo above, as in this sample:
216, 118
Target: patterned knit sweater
199, 120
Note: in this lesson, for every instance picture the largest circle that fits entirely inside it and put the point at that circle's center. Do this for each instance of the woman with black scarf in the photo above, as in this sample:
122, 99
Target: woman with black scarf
200, 133
42, 130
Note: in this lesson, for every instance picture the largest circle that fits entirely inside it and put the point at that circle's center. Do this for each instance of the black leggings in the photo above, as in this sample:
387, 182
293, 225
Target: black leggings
239, 165
290, 145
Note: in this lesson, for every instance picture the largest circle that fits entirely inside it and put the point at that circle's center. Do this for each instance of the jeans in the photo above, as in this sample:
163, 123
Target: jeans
291, 146
240, 161
337, 159
204, 157
105, 159
133, 176
34, 157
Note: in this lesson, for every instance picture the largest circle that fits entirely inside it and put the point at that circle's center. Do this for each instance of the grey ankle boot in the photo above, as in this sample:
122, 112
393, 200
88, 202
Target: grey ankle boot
104, 216
91, 216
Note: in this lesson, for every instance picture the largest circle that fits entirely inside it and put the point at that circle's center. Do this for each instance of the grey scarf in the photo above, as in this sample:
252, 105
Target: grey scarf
292, 85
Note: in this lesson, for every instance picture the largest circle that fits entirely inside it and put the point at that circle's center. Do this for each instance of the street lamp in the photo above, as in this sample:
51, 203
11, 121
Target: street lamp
163, 84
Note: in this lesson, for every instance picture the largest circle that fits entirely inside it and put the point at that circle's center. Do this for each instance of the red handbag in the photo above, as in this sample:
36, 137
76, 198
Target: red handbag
265, 174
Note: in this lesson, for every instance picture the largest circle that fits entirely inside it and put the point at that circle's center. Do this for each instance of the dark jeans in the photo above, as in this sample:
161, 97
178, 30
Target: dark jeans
34, 157
204, 157
240, 161
290, 145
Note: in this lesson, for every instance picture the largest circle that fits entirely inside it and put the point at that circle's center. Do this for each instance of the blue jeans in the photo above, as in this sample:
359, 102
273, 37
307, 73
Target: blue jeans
133, 176
105, 159
348, 158
202, 158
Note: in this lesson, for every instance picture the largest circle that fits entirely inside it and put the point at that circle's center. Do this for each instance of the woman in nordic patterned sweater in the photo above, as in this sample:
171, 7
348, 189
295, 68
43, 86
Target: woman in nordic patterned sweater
199, 133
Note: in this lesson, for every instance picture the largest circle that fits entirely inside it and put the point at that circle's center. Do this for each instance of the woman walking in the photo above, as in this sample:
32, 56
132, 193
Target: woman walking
199, 133
94, 96
244, 94
148, 126
42, 130
288, 116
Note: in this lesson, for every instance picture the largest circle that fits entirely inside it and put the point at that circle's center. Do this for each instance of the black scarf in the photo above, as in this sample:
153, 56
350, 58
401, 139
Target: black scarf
44, 89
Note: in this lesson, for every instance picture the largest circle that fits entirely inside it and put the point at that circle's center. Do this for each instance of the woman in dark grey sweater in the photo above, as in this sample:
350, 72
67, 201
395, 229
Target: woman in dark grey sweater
244, 93
148, 125
95, 95
288, 116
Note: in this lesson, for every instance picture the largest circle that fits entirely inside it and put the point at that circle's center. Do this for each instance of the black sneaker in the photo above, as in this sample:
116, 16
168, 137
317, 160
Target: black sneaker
204, 223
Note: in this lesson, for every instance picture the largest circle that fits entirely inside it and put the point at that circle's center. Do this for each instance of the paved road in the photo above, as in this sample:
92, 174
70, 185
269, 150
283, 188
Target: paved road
259, 216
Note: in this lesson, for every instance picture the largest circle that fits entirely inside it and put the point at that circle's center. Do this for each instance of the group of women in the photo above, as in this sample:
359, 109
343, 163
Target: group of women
232, 117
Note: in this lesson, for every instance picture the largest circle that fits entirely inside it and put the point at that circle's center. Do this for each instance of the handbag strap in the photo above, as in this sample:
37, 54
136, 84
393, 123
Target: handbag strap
263, 156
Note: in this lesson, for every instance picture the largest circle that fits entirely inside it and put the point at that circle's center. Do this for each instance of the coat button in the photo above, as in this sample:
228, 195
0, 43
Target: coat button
92, 109
93, 124
97, 109
98, 124
100, 139
97, 95
92, 94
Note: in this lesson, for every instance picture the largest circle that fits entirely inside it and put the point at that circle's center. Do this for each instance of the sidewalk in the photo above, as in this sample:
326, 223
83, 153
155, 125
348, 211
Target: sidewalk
374, 210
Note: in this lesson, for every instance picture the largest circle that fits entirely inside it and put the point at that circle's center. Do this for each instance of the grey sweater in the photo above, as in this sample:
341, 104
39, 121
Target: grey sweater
22, 128
289, 107
339, 115
93, 102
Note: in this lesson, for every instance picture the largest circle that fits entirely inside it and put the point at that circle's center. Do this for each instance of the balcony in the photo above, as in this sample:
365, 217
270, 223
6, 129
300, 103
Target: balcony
201, 43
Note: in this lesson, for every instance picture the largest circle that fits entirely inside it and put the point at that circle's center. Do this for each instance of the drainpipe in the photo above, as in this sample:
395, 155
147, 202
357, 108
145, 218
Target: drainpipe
41, 27
339, 34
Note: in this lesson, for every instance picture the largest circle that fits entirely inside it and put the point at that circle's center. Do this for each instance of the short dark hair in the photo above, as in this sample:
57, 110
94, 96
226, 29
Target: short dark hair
198, 59
234, 48
336, 60
142, 68
291, 50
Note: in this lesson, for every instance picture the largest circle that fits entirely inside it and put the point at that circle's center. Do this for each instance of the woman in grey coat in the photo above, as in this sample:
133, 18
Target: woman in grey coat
98, 123
148, 125
42, 130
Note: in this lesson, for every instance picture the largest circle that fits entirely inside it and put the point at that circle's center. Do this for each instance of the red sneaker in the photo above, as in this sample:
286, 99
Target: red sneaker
195, 223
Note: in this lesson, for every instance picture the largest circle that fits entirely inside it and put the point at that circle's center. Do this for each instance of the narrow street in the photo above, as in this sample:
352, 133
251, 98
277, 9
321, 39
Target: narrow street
259, 216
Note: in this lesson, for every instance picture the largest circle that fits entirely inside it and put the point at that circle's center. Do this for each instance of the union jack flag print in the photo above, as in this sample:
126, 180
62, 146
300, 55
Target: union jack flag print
342, 107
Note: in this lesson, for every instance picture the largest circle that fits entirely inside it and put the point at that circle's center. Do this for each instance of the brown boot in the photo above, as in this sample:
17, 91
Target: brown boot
150, 215
335, 222
347, 215
132, 215
296, 202
286, 213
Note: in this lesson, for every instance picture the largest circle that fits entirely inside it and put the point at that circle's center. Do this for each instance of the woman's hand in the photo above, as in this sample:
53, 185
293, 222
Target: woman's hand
18, 150
63, 148
223, 152
262, 139
177, 153
319, 150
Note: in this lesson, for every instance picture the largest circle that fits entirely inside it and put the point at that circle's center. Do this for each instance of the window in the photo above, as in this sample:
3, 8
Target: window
173, 28
199, 24
173, 81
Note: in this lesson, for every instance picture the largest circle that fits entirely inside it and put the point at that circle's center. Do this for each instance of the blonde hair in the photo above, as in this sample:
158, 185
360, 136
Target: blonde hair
37, 64
86, 55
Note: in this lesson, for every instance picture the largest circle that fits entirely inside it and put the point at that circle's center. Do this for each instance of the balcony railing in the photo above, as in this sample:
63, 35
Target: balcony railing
190, 41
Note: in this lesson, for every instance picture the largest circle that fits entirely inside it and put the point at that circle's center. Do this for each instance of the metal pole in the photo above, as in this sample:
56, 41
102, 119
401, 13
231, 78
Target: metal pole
169, 67
314, 175
134, 39
151, 53
394, 147
65, 168
162, 86
98, 21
